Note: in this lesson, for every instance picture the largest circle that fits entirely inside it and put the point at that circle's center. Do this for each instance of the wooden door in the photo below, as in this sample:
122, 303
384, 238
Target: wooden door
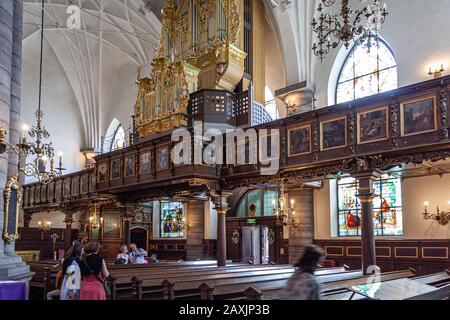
251, 244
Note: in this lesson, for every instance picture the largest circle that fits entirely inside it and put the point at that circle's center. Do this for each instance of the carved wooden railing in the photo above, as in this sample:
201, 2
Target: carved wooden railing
339, 138
75, 187
406, 138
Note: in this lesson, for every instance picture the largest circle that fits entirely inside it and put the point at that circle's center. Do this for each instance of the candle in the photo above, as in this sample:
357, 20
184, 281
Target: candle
426, 204
24, 131
292, 203
273, 204
101, 220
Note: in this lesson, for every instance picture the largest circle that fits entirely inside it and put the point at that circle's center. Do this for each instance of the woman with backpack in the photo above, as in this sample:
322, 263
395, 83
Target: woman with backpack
71, 273
94, 274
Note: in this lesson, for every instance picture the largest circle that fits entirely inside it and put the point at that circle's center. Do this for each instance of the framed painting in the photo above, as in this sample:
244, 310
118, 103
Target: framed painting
102, 172
162, 158
333, 134
93, 183
373, 126
37, 194
43, 193
130, 165
115, 169
66, 190
11, 206
299, 140
145, 162
418, 116
84, 183
58, 188
31, 196
75, 186
111, 226
51, 191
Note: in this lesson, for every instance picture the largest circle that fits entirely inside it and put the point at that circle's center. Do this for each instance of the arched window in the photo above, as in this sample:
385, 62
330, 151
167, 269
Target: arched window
365, 72
115, 137
118, 141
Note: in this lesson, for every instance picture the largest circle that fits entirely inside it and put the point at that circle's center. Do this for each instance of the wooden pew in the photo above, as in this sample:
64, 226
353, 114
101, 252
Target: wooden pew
443, 293
43, 280
435, 279
149, 286
124, 282
330, 285
237, 289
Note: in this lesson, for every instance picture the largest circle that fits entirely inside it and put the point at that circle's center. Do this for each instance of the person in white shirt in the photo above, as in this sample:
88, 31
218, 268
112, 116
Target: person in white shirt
122, 257
71, 285
137, 255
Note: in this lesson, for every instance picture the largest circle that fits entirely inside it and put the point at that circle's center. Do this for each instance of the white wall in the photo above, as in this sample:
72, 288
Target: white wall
414, 29
61, 113
415, 191
57, 219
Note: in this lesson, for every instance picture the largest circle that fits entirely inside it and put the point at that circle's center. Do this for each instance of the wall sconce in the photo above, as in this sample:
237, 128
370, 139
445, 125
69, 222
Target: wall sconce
190, 226
437, 73
442, 217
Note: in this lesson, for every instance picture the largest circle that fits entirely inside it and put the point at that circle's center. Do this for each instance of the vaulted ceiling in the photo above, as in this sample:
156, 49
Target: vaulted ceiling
128, 29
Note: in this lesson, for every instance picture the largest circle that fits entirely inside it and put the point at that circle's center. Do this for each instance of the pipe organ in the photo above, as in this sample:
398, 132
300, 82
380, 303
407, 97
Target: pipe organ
198, 49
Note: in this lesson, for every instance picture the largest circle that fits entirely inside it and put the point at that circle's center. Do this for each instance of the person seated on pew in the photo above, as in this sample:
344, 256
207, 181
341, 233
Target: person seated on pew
303, 284
122, 257
71, 285
137, 255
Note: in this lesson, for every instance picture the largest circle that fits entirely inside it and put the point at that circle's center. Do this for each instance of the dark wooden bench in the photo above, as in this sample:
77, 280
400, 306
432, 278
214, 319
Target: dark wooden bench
124, 282
333, 288
151, 287
236, 290
442, 293
43, 280
435, 279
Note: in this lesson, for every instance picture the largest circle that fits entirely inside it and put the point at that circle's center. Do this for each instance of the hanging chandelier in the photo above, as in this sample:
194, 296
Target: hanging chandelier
359, 26
285, 215
94, 222
43, 166
45, 225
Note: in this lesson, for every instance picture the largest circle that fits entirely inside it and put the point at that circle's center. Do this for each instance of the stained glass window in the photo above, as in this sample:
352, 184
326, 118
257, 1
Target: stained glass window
387, 207
365, 73
172, 219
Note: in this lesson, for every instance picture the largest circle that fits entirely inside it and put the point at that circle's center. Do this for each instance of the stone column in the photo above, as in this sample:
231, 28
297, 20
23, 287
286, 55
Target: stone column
303, 235
221, 206
68, 231
365, 196
11, 265
195, 230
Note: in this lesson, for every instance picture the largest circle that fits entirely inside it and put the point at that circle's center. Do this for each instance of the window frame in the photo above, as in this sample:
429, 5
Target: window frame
350, 54
111, 148
380, 181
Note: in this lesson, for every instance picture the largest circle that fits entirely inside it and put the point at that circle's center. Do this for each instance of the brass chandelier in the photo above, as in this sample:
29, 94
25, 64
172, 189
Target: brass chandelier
44, 152
361, 26
285, 214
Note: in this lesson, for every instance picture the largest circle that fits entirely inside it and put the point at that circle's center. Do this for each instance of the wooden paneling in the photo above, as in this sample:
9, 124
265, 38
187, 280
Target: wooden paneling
425, 256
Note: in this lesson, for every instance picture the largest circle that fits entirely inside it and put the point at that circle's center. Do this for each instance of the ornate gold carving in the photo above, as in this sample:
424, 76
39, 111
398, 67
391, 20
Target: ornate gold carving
11, 184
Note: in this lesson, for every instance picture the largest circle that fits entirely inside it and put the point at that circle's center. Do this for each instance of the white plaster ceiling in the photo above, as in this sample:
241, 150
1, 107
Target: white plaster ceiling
113, 34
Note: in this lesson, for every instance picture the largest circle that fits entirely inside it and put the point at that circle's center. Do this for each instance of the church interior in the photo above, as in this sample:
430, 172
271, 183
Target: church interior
222, 137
